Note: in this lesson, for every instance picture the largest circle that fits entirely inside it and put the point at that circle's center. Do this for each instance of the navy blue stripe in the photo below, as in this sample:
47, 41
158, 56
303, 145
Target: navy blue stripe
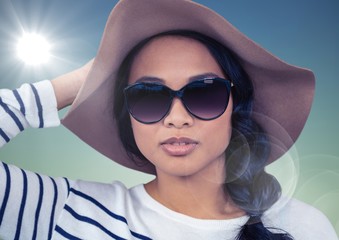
22, 206
12, 115
37, 212
4, 135
21, 103
91, 221
65, 234
68, 186
106, 210
7, 190
137, 235
51, 223
102, 207
39, 106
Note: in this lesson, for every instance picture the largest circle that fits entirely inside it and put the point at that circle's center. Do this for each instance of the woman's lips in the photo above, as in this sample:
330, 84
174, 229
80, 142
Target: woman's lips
179, 146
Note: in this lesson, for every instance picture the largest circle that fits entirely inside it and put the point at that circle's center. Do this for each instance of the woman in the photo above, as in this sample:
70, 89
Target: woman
189, 99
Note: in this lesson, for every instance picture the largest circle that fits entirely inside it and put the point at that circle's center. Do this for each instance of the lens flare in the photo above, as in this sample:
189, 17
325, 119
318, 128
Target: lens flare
33, 49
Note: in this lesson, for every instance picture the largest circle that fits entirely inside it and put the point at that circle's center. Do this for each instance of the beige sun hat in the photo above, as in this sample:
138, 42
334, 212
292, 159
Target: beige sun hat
283, 93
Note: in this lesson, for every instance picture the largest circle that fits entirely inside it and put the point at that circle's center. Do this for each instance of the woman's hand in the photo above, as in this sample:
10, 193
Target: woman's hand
66, 86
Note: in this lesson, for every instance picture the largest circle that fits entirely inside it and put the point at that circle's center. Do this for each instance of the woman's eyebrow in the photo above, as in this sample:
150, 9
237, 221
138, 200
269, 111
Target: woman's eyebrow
203, 76
191, 79
149, 79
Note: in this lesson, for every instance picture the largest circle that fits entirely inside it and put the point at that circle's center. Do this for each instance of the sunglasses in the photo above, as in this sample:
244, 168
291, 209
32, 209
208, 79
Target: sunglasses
205, 99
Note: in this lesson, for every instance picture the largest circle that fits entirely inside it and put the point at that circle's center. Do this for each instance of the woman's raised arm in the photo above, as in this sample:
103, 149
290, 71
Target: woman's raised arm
35, 105
67, 86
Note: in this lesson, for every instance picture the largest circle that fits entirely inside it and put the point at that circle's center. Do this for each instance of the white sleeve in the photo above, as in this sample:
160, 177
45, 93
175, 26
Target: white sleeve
31, 105
30, 203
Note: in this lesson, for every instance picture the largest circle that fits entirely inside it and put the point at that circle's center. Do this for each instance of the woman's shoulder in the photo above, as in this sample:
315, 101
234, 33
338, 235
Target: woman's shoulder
114, 197
106, 192
98, 188
299, 219
289, 205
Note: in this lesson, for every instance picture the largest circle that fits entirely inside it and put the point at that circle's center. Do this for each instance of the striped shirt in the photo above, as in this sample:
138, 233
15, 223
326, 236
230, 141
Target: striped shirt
33, 206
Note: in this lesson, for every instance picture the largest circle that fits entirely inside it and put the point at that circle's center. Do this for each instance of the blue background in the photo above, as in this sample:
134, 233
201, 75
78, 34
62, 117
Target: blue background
303, 32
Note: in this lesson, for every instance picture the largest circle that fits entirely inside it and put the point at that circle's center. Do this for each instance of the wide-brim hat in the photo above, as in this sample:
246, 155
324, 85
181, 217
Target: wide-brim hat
283, 93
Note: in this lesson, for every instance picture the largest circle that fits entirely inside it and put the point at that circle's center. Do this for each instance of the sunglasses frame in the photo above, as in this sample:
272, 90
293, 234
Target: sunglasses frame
179, 94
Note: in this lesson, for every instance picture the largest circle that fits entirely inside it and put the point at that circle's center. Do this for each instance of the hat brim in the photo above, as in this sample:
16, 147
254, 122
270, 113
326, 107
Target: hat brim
283, 93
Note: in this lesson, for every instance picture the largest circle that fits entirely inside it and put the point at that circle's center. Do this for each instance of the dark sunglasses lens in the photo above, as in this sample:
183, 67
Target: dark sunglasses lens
148, 103
207, 99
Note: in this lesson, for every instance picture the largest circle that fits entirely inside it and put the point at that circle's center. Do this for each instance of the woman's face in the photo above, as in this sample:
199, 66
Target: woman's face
180, 144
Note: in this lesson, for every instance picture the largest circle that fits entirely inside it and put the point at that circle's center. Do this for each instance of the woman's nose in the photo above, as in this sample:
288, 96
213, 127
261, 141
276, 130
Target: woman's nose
178, 116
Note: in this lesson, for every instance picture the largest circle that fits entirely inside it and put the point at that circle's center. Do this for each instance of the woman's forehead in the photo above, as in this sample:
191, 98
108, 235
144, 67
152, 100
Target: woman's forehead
173, 57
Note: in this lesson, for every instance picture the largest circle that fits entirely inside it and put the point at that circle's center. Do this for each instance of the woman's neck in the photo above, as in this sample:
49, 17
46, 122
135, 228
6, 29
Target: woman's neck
194, 196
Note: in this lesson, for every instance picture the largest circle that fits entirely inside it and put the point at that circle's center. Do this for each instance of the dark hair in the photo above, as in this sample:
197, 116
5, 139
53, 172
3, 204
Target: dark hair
250, 187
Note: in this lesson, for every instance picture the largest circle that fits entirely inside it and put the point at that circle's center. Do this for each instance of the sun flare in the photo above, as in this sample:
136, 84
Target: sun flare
33, 49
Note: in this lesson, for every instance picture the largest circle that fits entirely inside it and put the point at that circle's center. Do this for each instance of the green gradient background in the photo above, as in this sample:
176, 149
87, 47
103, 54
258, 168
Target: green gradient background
303, 33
